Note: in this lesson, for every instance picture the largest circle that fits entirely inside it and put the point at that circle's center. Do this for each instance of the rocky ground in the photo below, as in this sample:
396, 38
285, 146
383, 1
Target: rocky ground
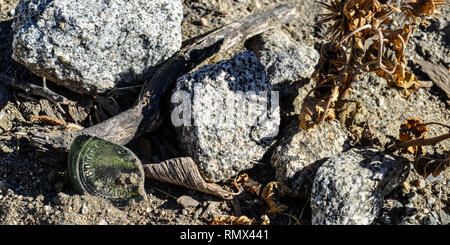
35, 188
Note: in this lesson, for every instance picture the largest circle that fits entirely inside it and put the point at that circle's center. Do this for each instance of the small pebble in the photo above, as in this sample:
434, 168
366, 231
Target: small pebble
406, 186
257, 4
187, 202
1, 196
47, 208
424, 191
198, 212
431, 200
84, 208
102, 222
40, 198
203, 22
420, 183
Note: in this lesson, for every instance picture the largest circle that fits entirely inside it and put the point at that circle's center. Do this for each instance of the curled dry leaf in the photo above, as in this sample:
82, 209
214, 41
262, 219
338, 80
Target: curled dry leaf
312, 110
270, 195
250, 185
242, 220
412, 138
434, 165
184, 172
412, 129
423, 8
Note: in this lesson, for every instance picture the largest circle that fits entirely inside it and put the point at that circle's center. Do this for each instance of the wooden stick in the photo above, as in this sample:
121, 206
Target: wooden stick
33, 89
419, 142
144, 115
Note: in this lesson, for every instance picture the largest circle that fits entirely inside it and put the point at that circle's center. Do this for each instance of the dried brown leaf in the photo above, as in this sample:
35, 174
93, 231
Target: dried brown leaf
270, 195
312, 110
412, 129
434, 165
242, 220
250, 185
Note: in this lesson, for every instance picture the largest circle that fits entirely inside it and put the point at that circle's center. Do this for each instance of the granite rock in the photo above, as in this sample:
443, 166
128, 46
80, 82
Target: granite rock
91, 46
285, 60
289, 65
350, 187
222, 116
299, 154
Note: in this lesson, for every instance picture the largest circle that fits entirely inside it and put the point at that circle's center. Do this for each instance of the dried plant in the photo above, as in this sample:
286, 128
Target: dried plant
242, 220
412, 138
360, 40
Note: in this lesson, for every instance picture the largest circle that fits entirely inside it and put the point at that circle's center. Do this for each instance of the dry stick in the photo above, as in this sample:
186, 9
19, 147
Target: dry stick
419, 142
144, 115
35, 90
293, 217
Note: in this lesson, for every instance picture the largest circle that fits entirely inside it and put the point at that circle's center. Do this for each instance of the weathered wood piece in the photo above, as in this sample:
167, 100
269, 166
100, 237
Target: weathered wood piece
144, 115
184, 172
33, 89
438, 74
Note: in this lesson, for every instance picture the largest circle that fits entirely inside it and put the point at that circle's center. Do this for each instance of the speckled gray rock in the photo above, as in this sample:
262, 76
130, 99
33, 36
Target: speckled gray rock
222, 136
288, 64
299, 154
350, 187
90, 46
284, 59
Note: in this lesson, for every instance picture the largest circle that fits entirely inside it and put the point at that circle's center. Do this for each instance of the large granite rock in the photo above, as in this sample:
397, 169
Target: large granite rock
90, 46
299, 154
218, 119
350, 187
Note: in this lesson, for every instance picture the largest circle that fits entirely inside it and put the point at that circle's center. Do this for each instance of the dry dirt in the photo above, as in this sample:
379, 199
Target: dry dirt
35, 189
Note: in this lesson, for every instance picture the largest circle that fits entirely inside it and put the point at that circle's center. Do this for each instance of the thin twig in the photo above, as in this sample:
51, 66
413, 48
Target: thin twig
419, 142
436, 123
163, 192
327, 107
354, 32
303, 209
37, 91
440, 202
293, 217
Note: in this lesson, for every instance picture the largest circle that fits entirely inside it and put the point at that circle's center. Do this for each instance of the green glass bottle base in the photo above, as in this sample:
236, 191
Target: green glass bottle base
101, 168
